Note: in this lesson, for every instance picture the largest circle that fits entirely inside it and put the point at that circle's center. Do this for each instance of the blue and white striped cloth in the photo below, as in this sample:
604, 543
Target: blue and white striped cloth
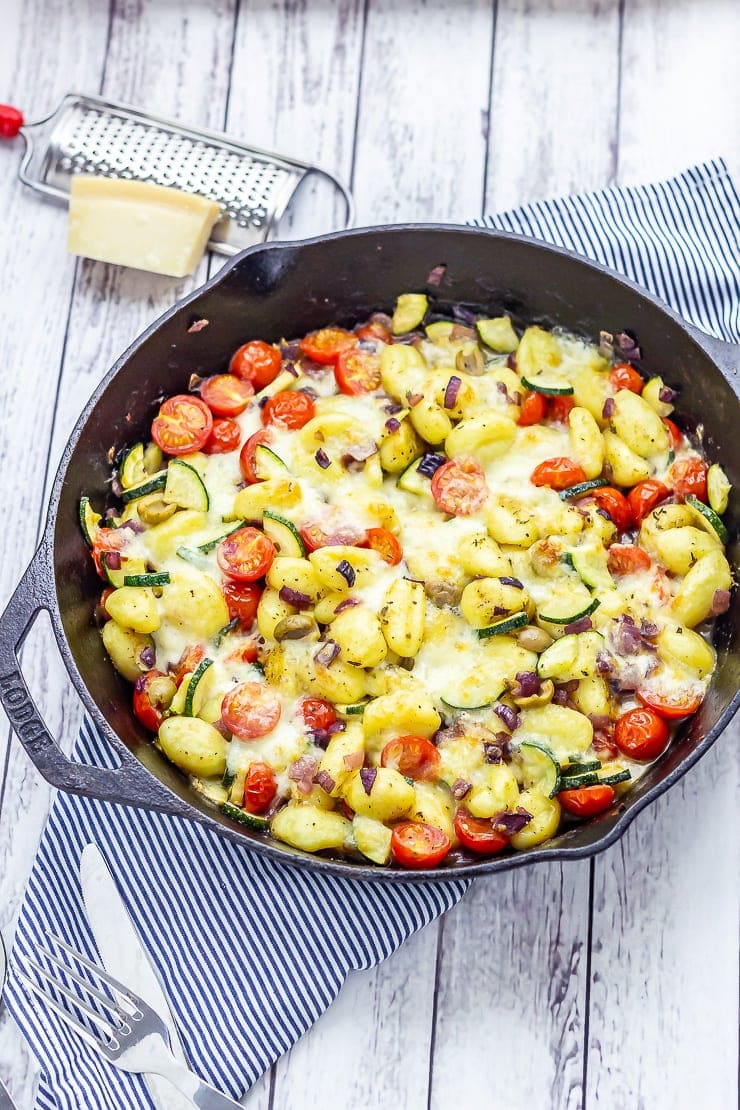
268, 947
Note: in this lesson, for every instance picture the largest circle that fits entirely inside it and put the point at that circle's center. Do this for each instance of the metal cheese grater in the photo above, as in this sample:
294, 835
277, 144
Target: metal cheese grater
90, 135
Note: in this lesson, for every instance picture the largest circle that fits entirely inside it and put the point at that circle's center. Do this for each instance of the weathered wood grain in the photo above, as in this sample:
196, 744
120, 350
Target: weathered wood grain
553, 122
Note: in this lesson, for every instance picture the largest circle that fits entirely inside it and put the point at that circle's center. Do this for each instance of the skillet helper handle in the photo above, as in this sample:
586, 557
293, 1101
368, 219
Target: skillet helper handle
130, 784
726, 355
11, 121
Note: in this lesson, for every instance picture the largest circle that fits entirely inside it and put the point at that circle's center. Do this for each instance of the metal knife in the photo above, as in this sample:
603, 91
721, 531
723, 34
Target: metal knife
124, 956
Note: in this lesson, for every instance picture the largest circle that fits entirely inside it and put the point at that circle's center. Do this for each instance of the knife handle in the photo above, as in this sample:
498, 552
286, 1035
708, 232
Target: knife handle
192, 1086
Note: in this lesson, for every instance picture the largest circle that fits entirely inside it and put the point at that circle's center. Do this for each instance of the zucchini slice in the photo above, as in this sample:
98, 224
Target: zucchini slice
575, 767
539, 768
591, 563
151, 485
116, 576
498, 334
284, 535
581, 489
89, 521
718, 488
574, 782
566, 608
412, 481
410, 310
158, 578
184, 487
267, 464
189, 709
249, 820
192, 555
571, 657
132, 471
613, 777
508, 624
551, 385
706, 517
210, 544
356, 709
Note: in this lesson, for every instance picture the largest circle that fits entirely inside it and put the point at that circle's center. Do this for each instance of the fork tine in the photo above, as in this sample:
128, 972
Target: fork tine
103, 999
103, 976
93, 1015
63, 1014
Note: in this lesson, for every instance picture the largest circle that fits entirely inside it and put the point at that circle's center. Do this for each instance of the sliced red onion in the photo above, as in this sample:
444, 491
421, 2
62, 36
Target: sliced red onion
354, 760
322, 458
348, 603
459, 789
462, 331
327, 653
627, 637
322, 736
515, 397
368, 776
608, 410
648, 630
113, 560
140, 683
460, 312
527, 685
500, 611
451, 392
414, 398
436, 274
294, 597
148, 656
604, 747
720, 602
347, 572
511, 361
501, 387
508, 581
314, 369
198, 325
600, 721
430, 464
291, 350
667, 395
359, 452
583, 624
133, 526
509, 716
392, 407
511, 823
111, 514
302, 772
325, 781
604, 663
392, 425
494, 752
116, 487
626, 342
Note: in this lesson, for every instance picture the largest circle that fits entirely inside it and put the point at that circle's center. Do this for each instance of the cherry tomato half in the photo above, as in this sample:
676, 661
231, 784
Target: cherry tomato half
615, 504
626, 558
246, 554
413, 756
153, 693
183, 425
558, 473
559, 408
250, 710
247, 458
188, 661
674, 706
357, 371
326, 345
459, 486
256, 362
586, 801
242, 599
375, 330
317, 714
689, 476
226, 436
641, 734
534, 407
332, 531
645, 496
260, 787
107, 539
245, 653
288, 410
675, 433
386, 544
415, 844
225, 394
624, 376
477, 834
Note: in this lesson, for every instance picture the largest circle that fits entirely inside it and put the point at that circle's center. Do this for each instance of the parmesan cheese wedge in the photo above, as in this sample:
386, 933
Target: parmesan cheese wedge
138, 224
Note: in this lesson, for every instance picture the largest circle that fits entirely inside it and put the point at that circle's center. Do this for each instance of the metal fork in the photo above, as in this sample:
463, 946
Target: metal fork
131, 1035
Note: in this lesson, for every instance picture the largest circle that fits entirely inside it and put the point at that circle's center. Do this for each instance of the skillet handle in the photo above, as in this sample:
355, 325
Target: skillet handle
129, 784
726, 355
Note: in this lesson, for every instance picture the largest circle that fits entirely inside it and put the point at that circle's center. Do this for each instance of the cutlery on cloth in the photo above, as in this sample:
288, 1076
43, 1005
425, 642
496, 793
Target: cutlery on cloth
123, 954
6, 1102
117, 1023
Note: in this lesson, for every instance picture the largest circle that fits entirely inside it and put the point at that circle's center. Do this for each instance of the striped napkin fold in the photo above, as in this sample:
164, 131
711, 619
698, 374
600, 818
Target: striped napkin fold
286, 938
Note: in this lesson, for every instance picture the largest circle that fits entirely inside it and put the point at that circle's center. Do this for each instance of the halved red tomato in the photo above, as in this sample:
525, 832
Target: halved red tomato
645, 496
615, 504
386, 544
247, 455
317, 714
153, 693
624, 376
558, 473
375, 330
226, 436
559, 408
674, 706
260, 787
357, 371
188, 661
626, 558
250, 710
107, 539
330, 531
641, 734
242, 599
289, 409
182, 425
533, 409
416, 845
247, 652
459, 486
689, 476
246, 554
586, 801
413, 756
675, 433
256, 362
325, 345
477, 834
225, 394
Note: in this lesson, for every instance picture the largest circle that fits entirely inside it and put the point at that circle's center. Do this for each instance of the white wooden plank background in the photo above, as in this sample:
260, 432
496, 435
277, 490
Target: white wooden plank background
605, 984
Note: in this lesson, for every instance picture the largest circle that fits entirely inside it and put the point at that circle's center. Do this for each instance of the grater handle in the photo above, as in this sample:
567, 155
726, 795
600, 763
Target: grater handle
11, 121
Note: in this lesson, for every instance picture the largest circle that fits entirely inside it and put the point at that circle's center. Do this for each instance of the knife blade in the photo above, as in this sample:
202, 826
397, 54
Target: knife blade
124, 956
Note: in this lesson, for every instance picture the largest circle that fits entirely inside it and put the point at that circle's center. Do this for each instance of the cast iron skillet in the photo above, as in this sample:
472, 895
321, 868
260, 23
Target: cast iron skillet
288, 289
